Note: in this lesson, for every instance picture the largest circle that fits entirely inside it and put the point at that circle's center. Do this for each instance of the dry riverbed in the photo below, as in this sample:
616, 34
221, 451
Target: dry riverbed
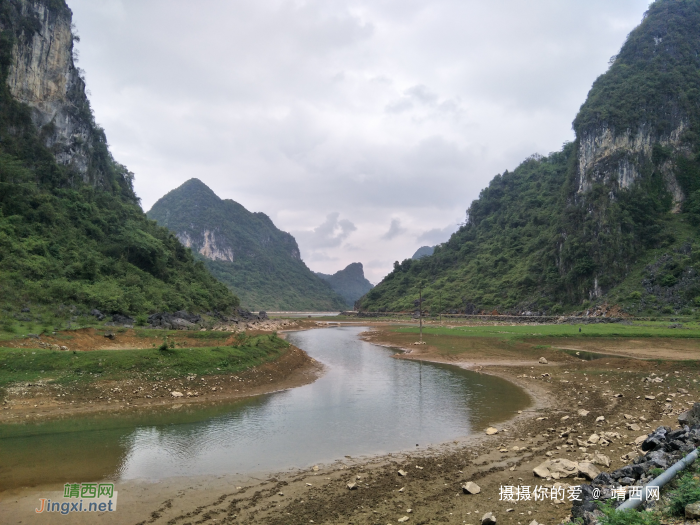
619, 398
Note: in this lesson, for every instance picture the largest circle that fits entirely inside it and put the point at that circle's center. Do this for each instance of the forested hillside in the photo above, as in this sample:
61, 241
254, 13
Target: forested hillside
613, 217
72, 234
244, 250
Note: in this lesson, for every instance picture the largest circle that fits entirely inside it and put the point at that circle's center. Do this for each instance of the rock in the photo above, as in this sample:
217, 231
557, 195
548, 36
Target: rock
634, 427
640, 439
488, 519
690, 417
682, 390
491, 431
403, 519
402, 472
109, 335
471, 488
543, 361
556, 468
96, 313
593, 438
122, 319
175, 393
588, 470
352, 486
583, 413
534, 522
692, 511
599, 419
600, 459
649, 397
603, 479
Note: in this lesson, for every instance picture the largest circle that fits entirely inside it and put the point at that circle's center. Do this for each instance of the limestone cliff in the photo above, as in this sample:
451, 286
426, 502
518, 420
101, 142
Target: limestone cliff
42, 74
349, 282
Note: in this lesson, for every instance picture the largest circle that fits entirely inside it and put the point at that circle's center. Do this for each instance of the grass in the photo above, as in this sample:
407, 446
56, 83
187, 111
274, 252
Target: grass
18, 365
637, 329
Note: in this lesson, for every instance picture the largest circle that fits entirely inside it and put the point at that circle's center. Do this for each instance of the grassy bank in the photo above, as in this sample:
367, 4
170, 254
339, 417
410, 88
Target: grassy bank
636, 329
165, 361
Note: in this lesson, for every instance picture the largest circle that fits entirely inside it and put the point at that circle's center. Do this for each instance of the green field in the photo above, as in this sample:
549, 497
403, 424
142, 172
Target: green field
33, 364
636, 329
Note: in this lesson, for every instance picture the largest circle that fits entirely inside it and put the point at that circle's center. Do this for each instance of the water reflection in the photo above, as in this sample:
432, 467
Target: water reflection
366, 403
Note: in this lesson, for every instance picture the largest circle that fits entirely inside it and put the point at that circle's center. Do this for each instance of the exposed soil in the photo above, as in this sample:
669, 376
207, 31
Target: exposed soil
613, 387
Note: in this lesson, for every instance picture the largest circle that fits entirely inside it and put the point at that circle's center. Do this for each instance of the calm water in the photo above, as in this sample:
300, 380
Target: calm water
366, 403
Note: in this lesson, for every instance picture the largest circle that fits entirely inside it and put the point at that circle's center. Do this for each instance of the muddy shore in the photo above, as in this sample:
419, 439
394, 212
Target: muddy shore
615, 388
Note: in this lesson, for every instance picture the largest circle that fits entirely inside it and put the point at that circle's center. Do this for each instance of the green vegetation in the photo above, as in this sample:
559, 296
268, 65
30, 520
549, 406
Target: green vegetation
611, 516
686, 490
535, 241
246, 251
166, 361
81, 238
349, 283
636, 330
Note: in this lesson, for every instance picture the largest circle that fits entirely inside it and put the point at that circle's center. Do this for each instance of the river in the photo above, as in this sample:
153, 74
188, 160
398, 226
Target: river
366, 403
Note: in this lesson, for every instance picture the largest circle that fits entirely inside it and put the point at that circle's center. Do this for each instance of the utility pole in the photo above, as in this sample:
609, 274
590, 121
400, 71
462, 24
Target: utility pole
420, 309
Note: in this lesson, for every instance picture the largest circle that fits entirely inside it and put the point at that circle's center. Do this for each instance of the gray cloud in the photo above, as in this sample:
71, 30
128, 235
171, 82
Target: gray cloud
437, 235
399, 109
329, 234
395, 229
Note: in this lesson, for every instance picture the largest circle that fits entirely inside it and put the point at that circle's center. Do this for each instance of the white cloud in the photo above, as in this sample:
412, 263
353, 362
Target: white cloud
397, 109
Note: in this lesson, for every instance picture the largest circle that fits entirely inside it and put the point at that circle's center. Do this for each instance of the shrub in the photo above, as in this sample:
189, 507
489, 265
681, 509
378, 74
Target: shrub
612, 516
688, 491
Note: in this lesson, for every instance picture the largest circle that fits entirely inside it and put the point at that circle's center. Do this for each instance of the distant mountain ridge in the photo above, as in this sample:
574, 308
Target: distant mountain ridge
350, 283
244, 250
423, 251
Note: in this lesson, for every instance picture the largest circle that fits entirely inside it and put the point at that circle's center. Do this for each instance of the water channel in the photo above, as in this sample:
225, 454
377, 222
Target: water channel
365, 403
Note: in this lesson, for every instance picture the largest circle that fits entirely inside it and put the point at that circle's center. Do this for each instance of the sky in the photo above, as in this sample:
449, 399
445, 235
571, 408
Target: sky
365, 128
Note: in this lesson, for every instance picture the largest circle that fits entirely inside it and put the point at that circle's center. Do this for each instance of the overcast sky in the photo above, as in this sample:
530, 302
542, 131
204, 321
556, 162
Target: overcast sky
364, 128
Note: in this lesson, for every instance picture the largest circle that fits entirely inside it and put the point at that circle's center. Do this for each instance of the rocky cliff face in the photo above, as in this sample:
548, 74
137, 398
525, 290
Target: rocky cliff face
618, 159
42, 74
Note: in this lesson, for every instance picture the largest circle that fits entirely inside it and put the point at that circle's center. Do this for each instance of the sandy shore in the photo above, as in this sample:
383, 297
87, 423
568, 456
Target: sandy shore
612, 387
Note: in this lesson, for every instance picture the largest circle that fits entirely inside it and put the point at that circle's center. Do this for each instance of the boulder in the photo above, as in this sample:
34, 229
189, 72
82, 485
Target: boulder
491, 431
588, 470
593, 438
600, 419
96, 313
122, 319
542, 361
471, 488
488, 519
692, 511
690, 417
174, 393
600, 459
583, 413
402, 472
352, 485
556, 468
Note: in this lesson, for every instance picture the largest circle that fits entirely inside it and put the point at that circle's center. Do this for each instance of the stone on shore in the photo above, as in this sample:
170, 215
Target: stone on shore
471, 488
488, 519
491, 431
556, 468
588, 470
543, 361
692, 511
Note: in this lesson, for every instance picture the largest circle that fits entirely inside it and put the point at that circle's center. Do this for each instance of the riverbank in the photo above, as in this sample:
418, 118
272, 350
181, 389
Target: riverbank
113, 374
632, 396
